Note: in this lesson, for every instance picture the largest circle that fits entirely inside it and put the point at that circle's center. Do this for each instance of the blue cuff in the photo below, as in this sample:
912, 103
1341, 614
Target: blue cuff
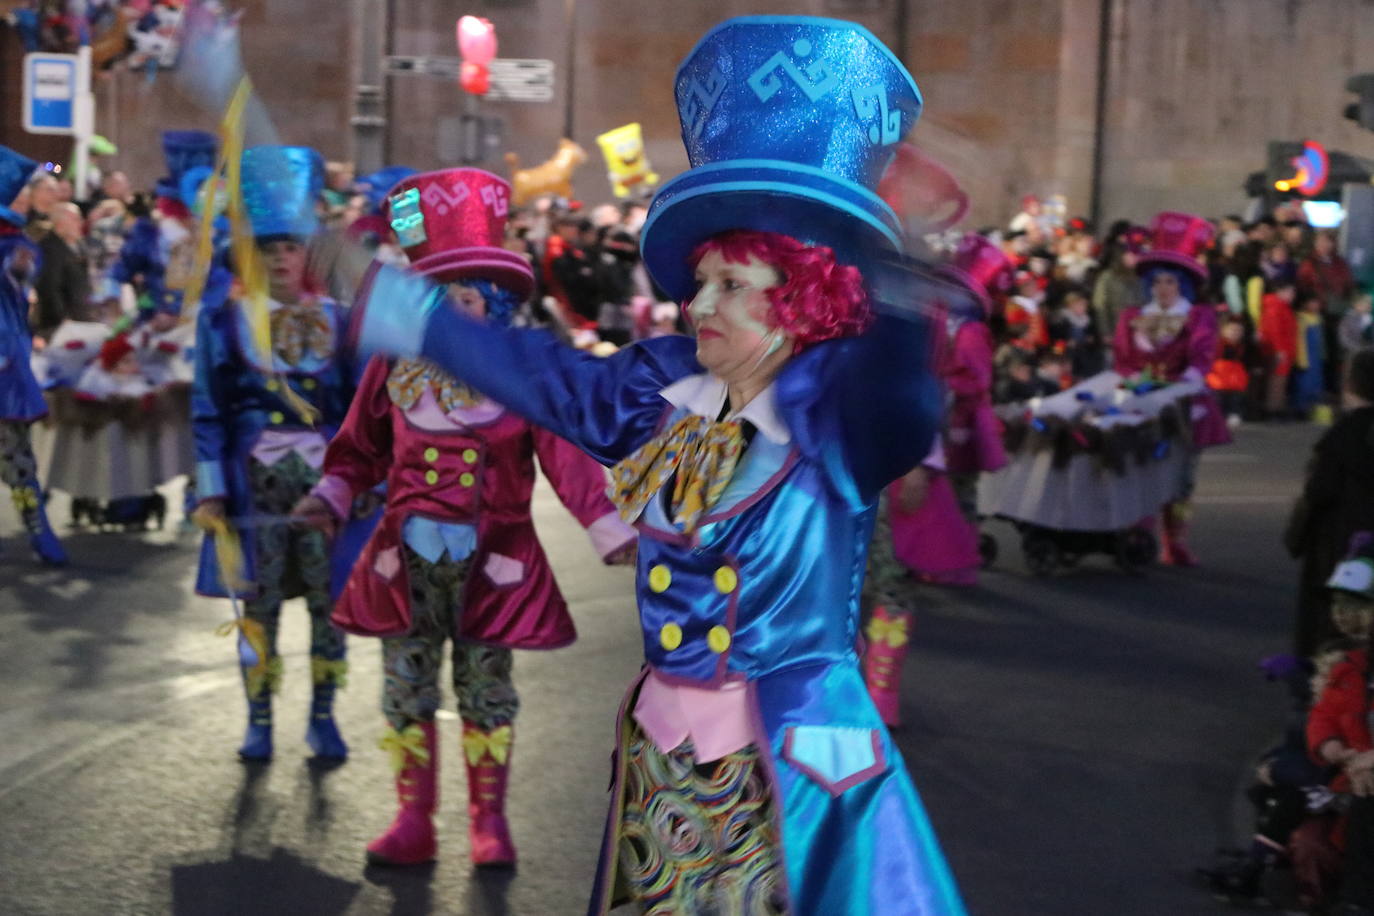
397, 306
210, 480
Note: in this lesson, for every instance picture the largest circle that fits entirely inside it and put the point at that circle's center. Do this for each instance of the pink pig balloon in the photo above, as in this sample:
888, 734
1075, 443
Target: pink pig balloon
476, 40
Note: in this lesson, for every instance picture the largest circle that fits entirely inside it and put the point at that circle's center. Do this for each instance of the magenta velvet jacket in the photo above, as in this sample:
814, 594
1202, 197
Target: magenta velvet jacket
1193, 348
480, 473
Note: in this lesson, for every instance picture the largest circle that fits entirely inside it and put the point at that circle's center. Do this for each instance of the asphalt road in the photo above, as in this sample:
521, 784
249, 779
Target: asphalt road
1079, 741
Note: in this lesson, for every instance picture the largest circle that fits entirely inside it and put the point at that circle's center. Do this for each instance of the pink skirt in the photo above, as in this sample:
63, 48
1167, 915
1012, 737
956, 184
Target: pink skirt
935, 542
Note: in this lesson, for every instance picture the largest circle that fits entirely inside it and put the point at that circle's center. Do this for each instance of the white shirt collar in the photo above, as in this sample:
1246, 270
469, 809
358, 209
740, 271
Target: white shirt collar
705, 394
1180, 308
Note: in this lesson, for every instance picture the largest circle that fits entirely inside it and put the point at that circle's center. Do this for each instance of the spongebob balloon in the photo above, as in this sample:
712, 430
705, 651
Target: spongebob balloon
628, 167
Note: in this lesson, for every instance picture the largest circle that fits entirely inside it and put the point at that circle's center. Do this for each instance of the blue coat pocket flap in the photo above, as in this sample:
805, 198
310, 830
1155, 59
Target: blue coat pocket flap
835, 756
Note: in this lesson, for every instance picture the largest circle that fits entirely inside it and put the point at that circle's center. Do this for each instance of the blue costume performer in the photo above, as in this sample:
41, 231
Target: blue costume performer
752, 772
257, 454
21, 397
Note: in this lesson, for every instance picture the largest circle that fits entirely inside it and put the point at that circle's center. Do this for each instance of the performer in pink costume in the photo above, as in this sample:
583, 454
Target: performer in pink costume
1173, 338
927, 526
455, 555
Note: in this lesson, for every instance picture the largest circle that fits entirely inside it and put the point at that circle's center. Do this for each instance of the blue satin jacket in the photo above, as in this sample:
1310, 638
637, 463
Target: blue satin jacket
767, 589
236, 396
21, 397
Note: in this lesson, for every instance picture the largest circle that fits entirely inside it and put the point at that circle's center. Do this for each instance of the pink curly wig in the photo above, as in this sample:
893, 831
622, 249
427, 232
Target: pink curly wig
818, 298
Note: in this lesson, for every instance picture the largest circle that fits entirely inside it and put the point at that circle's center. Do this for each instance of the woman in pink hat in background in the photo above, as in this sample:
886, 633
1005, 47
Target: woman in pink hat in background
455, 556
1173, 338
927, 528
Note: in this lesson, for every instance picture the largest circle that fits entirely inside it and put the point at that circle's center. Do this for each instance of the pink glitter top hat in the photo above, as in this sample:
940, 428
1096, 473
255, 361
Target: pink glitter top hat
1178, 240
982, 268
452, 223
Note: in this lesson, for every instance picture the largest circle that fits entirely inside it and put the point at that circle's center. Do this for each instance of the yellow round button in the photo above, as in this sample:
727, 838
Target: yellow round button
670, 637
470, 455
466, 479
718, 638
272, 384
726, 580
309, 384
660, 578
431, 454
277, 417
431, 477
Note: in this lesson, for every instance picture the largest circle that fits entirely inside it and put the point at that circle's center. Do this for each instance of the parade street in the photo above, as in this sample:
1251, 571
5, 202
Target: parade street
1080, 742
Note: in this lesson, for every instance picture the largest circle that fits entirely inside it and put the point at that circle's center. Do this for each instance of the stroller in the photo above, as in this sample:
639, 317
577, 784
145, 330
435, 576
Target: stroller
1086, 467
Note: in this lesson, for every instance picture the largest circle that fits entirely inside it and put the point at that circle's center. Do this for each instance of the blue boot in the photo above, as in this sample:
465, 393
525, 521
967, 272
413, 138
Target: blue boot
323, 734
259, 686
33, 510
257, 738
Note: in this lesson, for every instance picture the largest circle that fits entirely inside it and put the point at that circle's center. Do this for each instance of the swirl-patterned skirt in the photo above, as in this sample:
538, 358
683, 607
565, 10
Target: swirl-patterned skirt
698, 839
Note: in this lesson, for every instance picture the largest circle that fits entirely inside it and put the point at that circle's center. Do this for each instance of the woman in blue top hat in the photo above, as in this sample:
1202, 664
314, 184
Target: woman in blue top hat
21, 397
262, 419
752, 772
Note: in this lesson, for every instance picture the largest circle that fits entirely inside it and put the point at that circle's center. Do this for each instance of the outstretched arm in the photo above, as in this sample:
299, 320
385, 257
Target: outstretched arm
607, 407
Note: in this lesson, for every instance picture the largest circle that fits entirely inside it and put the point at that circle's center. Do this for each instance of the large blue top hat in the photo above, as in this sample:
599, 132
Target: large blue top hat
789, 123
184, 150
281, 185
15, 169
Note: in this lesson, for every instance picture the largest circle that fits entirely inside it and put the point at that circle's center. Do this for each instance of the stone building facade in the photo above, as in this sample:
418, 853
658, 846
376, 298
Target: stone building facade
1194, 88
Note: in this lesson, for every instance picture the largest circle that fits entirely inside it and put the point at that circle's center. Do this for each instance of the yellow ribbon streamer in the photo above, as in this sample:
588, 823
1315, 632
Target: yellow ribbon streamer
891, 630
409, 742
478, 744
25, 499
329, 670
702, 454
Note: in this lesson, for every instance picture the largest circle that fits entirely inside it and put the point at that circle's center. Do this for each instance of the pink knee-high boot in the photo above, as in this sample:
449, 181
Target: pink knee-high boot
488, 760
1174, 550
887, 647
415, 758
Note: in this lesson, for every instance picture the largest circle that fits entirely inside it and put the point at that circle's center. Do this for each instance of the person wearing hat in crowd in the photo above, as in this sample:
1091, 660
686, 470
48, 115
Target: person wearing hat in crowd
265, 402
1339, 724
752, 771
21, 397
455, 556
927, 523
1173, 338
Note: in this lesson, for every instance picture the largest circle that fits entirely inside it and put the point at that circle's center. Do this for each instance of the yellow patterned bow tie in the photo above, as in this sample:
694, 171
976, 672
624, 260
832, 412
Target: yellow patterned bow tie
478, 744
301, 328
410, 377
891, 630
408, 743
702, 453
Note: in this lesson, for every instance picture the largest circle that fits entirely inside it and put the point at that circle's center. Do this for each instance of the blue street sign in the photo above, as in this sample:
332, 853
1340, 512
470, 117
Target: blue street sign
50, 93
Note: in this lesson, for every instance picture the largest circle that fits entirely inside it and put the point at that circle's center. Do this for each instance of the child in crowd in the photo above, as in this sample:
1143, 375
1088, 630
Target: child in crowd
1026, 325
1229, 377
1309, 379
1076, 330
1278, 340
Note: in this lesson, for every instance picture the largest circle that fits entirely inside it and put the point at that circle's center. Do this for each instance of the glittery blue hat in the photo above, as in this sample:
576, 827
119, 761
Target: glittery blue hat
184, 150
15, 169
281, 185
789, 123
